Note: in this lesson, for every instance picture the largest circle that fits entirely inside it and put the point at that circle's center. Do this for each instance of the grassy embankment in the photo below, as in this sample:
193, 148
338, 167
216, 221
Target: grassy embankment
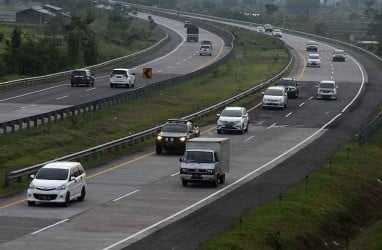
340, 208
36, 145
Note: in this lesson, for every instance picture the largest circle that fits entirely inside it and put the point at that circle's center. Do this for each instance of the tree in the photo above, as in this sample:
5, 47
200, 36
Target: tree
16, 38
271, 9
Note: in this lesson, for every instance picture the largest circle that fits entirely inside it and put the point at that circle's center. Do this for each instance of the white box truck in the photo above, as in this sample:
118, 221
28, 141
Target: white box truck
205, 159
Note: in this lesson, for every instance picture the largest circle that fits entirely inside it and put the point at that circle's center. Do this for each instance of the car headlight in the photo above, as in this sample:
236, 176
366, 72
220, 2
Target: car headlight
182, 139
159, 137
238, 122
210, 171
62, 187
31, 186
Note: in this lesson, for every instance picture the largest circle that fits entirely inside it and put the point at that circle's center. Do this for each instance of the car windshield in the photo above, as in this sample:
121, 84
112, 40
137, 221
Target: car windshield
179, 128
231, 113
274, 92
276, 30
205, 47
314, 57
327, 85
79, 73
311, 44
199, 156
286, 83
52, 174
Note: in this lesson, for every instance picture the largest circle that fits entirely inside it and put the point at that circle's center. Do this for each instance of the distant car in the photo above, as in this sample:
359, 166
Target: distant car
275, 97
58, 182
82, 77
174, 135
339, 55
233, 119
291, 85
260, 29
327, 90
314, 60
122, 77
312, 46
268, 28
277, 33
205, 50
187, 24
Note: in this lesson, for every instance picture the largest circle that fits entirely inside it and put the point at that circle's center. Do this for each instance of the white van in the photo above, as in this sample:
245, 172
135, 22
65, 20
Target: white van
58, 182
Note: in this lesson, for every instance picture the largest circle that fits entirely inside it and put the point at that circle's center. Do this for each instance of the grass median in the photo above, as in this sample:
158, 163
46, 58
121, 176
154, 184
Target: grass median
338, 208
36, 145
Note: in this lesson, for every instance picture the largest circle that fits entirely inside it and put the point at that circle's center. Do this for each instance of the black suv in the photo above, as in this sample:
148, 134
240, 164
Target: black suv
82, 76
291, 85
174, 134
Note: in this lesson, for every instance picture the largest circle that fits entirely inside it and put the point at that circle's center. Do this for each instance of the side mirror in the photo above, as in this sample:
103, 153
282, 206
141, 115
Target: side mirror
316, 86
262, 93
133, 74
32, 176
158, 130
72, 178
180, 160
218, 115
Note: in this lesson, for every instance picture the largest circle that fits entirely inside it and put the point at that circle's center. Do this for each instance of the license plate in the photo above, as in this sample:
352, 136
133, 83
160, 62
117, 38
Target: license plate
194, 176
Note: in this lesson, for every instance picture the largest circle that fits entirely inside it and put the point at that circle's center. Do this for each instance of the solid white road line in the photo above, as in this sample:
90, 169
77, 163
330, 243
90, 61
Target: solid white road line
124, 196
29, 106
55, 224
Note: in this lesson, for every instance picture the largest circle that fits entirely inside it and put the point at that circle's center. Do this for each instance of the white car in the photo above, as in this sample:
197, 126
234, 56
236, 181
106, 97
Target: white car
314, 60
233, 119
275, 97
122, 77
58, 182
260, 29
327, 90
205, 50
277, 33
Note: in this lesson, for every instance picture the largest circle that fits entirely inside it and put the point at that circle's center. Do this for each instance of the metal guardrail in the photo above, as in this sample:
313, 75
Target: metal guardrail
149, 133
369, 129
52, 77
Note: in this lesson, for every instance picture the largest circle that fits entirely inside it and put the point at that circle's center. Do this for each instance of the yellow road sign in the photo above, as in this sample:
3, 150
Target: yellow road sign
147, 73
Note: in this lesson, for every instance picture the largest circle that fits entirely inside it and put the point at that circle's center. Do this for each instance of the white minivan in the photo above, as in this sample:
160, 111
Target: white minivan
58, 182
275, 97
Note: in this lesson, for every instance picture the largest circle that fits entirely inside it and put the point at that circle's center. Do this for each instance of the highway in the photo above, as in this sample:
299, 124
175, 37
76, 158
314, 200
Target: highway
182, 59
133, 197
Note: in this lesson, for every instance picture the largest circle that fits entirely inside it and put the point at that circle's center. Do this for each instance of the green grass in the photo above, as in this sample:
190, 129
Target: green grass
338, 203
29, 147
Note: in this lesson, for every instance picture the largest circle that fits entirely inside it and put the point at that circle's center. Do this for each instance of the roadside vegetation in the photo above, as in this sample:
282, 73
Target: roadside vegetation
39, 144
338, 208
84, 39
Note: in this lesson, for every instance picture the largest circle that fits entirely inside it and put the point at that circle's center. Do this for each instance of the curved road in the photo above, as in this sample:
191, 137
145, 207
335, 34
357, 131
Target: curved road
136, 196
183, 59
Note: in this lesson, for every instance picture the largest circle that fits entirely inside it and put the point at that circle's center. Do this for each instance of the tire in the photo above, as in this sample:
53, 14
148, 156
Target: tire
184, 183
111, 85
242, 129
246, 129
83, 194
218, 131
93, 83
67, 199
222, 178
215, 182
158, 150
31, 203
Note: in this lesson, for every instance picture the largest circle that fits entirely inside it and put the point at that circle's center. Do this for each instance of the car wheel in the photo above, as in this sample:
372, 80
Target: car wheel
216, 181
31, 203
242, 129
93, 83
246, 129
219, 131
111, 85
72, 84
83, 194
222, 178
184, 183
67, 199
158, 150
